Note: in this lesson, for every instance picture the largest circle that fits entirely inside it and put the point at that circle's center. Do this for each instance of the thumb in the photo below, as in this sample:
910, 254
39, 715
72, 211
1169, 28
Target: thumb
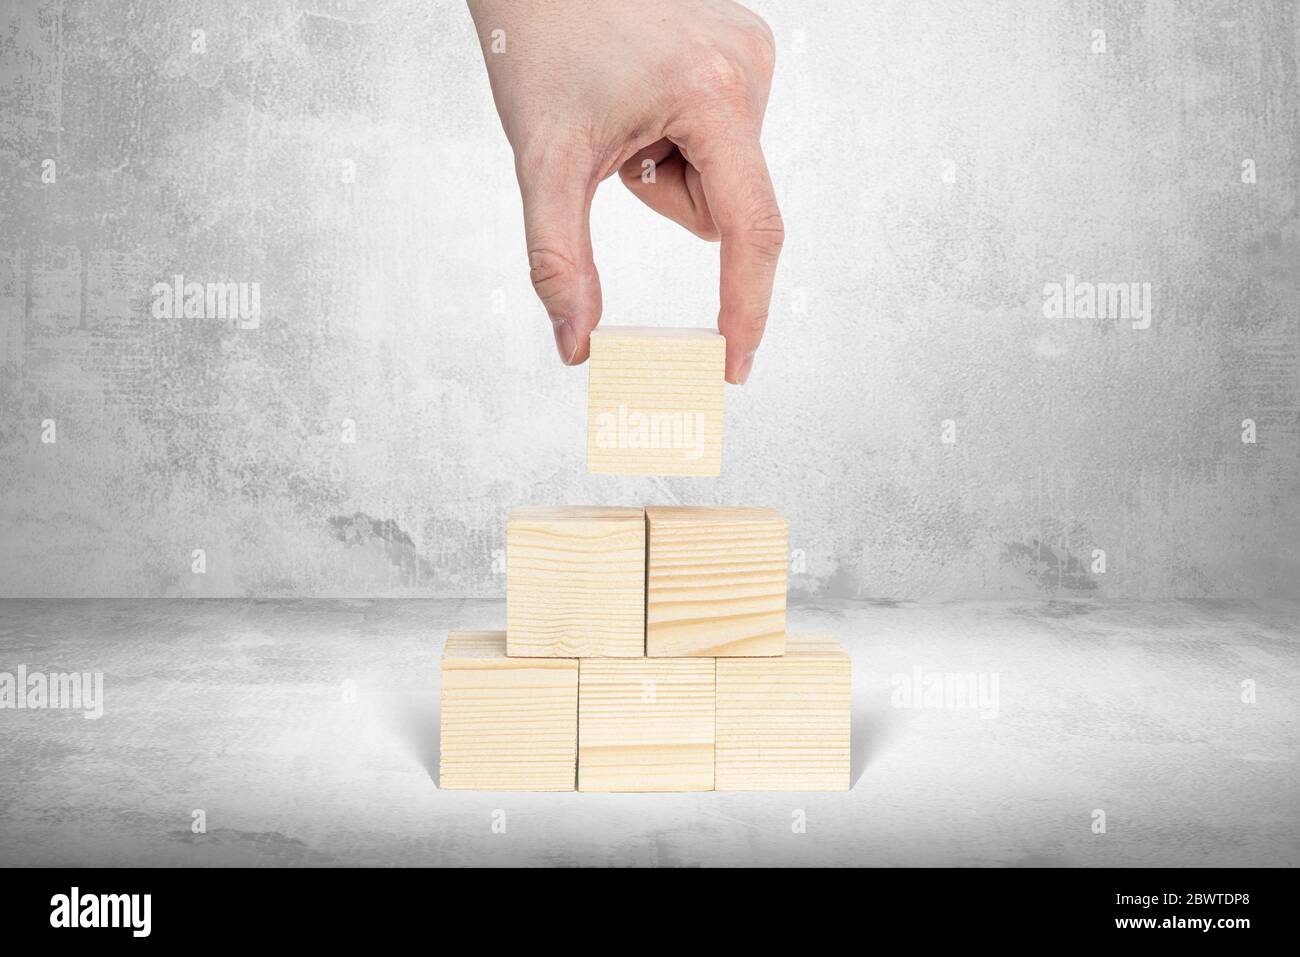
557, 203
738, 189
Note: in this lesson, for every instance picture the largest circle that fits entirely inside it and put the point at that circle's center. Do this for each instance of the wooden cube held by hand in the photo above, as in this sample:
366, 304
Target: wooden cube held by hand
654, 401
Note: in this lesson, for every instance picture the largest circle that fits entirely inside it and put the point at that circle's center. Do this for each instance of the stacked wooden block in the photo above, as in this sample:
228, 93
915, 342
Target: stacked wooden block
645, 648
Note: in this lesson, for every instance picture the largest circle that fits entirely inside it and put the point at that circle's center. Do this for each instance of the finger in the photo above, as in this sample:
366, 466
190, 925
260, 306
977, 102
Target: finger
557, 204
739, 195
661, 178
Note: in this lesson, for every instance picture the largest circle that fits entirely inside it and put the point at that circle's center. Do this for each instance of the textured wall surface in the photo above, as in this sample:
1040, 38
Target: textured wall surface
929, 430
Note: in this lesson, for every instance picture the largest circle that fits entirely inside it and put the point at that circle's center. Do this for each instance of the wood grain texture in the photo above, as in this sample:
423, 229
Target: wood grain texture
654, 401
508, 724
645, 725
783, 723
575, 582
716, 582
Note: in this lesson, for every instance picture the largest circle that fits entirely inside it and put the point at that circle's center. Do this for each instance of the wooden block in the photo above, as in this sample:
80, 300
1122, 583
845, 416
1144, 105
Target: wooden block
575, 582
716, 582
645, 725
783, 723
508, 724
654, 401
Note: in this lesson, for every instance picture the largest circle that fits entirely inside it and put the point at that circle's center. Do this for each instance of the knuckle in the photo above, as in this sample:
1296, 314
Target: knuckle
552, 151
552, 273
766, 233
716, 74
761, 47
540, 158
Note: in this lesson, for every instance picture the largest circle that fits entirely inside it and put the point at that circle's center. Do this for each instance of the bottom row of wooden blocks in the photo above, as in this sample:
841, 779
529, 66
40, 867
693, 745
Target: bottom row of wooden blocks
644, 724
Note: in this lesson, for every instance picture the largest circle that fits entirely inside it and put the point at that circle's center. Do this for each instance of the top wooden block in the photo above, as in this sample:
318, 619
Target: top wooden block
654, 401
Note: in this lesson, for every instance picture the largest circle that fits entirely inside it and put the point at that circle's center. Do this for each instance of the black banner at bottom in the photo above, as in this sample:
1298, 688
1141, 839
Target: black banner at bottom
335, 907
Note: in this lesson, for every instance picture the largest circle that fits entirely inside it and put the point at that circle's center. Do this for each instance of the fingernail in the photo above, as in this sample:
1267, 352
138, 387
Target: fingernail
566, 342
743, 372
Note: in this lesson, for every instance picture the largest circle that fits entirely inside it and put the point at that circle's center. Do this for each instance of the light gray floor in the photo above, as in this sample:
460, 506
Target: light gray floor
238, 709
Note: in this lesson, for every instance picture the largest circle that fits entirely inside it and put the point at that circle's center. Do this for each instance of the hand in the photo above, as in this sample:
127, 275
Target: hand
589, 87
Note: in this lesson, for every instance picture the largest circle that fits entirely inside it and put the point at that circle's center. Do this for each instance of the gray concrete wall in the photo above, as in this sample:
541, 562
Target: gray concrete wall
939, 165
